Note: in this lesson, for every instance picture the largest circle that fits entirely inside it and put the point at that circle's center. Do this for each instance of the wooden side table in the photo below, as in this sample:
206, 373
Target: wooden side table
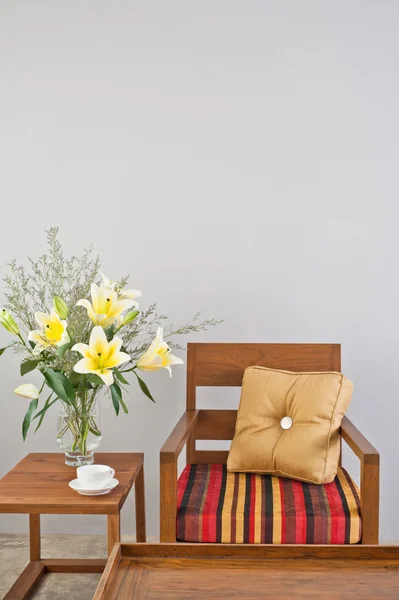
38, 485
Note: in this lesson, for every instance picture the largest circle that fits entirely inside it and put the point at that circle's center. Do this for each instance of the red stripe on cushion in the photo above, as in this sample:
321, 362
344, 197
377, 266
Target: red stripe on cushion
193, 516
283, 515
209, 512
234, 507
320, 519
300, 510
288, 508
337, 514
252, 513
183, 479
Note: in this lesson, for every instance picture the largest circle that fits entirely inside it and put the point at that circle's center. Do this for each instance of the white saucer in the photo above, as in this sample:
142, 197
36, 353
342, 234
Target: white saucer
75, 485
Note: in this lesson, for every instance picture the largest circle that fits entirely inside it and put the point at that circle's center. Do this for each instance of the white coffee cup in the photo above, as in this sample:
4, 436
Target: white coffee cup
94, 477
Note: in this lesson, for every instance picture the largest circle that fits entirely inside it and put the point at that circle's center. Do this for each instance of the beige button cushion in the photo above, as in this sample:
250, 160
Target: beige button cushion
288, 424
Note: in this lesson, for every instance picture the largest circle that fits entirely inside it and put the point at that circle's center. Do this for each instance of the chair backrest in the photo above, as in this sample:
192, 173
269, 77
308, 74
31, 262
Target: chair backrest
211, 365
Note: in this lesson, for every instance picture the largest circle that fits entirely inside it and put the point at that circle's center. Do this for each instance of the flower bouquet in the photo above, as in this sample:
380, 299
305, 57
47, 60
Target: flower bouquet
83, 333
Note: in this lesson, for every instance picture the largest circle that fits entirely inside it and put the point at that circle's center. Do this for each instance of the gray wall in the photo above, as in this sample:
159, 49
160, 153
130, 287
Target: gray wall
237, 157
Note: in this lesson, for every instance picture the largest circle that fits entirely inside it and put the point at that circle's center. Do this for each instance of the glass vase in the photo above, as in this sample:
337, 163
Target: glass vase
78, 429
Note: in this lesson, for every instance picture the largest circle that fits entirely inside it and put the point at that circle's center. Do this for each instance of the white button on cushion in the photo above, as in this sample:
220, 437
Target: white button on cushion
286, 422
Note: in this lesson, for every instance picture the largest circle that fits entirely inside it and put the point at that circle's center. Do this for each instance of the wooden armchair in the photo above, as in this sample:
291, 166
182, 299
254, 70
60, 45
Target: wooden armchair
223, 365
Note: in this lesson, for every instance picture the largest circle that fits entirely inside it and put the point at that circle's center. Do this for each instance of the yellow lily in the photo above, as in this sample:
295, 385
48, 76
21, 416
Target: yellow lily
52, 332
105, 306
100, 356
158, 356
123, 294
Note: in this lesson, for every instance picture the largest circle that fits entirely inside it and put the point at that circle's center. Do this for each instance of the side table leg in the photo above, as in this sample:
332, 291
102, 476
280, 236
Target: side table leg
140, 506
34, 536
114, 531
31, 575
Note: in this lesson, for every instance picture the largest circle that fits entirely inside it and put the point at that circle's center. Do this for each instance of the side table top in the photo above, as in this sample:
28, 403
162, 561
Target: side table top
38, 484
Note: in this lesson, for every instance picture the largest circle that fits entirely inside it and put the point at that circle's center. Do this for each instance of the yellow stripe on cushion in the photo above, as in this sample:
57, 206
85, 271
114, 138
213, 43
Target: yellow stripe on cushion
277, 521
354, 521
240, 508
328, 514
227, 506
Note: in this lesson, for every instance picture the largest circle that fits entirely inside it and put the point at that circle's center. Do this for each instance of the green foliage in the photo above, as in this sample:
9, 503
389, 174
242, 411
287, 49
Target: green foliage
56, 281
76, 380
52, 275
123, 405
192, 326
116, 395
95, 380
28, 417
41, 413
61, 385
120, 377
143, 387
64, 348
138, 334
27, 366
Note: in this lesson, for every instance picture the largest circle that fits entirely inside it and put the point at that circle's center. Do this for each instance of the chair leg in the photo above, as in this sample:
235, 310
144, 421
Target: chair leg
140, 507
369, 499
168, 499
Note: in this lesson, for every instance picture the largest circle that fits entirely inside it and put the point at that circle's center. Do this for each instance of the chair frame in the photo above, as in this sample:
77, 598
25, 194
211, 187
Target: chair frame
223, 364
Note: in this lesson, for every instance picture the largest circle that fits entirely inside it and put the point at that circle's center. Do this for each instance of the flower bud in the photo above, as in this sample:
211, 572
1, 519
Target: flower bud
60, 307
28, 390
8, 322
130, 316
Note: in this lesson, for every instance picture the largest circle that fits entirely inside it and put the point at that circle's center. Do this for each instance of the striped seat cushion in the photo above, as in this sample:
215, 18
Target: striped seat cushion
217, 506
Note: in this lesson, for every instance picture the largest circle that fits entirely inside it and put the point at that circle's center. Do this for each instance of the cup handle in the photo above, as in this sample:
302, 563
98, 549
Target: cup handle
112, 473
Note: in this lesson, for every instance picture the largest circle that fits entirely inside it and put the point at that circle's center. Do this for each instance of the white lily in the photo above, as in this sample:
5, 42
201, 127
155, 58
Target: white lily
123, 294
28, 390
52, 332
130, 295
100, 356
109, 283
105, 306
158, 356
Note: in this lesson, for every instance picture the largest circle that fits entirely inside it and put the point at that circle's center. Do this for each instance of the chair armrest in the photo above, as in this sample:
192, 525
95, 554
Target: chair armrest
175, 442
358, 443
168, 473
369, 479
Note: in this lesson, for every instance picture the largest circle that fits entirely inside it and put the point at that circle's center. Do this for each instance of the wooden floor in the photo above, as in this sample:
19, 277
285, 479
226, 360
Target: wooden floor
182, 578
